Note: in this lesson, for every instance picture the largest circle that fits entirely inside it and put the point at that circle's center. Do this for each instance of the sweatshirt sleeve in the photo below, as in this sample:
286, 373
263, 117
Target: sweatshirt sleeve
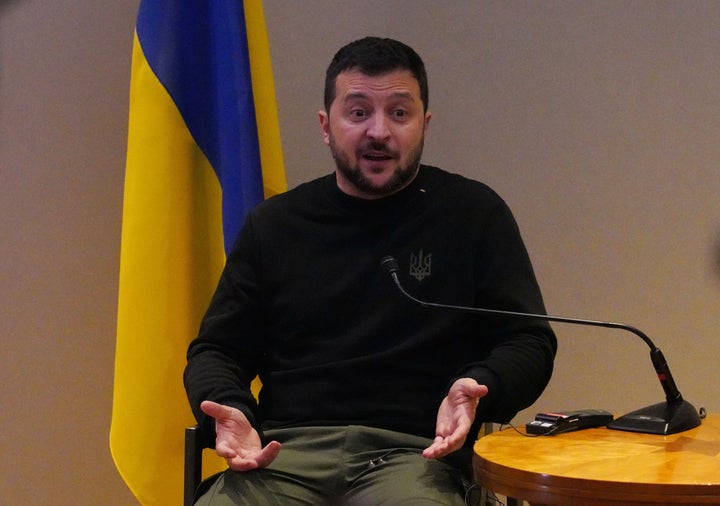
518, 363
224, 358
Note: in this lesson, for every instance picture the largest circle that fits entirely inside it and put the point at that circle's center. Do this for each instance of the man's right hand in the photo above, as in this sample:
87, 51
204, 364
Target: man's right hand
237, 441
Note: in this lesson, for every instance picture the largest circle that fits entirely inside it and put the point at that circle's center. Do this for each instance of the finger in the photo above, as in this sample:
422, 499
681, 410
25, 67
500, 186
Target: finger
473, 389
436, 450
268, 454
442, 449
215, 410
258, 460
241, 464
470, 387
479, 391
220, 411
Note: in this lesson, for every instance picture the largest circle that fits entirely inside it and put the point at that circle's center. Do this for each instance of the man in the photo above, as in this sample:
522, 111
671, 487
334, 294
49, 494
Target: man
367, 397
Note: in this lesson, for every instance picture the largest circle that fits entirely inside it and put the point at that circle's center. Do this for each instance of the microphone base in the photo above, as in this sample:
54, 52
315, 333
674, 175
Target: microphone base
662, 418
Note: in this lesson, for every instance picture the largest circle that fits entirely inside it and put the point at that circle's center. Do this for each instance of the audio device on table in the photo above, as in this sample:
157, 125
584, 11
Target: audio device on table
547, 424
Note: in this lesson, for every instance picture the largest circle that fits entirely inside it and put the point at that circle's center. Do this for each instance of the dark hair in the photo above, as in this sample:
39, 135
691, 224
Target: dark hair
375, 56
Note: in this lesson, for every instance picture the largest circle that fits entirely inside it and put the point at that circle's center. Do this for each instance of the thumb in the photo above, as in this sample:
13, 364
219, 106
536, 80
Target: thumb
470, 388
478, 390
217, 411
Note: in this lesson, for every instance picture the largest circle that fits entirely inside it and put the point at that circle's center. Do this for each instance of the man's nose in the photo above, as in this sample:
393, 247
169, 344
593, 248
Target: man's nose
378, 127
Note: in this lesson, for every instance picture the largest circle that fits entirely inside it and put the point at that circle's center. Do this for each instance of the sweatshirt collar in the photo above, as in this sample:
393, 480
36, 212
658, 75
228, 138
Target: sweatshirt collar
360, 206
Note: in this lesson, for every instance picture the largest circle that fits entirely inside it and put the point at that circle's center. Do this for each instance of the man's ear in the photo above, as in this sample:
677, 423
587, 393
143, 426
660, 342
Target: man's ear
324, 126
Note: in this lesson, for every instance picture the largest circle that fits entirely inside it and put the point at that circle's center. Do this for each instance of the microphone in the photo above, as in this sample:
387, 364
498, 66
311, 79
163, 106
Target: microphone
669, 417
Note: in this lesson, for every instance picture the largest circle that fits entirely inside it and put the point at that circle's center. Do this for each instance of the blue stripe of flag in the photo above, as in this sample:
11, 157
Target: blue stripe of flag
199, 52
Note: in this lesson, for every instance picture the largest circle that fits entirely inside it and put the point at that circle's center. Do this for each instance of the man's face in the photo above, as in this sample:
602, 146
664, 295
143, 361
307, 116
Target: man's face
375, 129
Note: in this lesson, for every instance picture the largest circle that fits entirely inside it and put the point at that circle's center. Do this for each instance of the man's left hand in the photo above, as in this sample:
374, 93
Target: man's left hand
455, 417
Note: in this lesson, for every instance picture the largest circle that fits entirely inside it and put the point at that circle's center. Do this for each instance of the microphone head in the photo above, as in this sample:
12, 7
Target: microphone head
389, 264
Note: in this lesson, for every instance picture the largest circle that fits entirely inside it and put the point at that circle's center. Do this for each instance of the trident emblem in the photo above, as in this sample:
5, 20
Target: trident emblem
420, 265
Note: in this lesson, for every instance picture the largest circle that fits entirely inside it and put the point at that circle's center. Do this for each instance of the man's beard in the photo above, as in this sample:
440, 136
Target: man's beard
402, 175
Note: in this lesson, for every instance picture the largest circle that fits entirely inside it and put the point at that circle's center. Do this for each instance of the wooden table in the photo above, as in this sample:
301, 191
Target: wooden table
603, 466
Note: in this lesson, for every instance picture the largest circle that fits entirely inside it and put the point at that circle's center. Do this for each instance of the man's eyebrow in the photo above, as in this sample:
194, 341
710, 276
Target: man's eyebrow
360, 95
355, 96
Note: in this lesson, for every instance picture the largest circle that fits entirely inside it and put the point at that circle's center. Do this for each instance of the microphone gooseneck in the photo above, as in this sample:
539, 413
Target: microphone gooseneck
637, 421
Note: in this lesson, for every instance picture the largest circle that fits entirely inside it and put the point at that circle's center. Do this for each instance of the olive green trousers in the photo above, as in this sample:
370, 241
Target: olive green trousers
347, 466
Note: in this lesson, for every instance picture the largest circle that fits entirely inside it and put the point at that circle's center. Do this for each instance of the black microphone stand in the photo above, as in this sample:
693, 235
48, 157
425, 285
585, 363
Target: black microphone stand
669, 417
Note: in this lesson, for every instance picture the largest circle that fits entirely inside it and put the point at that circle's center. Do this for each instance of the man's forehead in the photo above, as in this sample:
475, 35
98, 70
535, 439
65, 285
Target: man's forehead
356, 84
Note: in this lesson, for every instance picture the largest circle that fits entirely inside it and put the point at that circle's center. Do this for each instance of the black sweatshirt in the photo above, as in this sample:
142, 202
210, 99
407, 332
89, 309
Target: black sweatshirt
304, 303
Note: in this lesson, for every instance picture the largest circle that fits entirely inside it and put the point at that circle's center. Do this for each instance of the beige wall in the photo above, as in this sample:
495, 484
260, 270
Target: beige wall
599, 122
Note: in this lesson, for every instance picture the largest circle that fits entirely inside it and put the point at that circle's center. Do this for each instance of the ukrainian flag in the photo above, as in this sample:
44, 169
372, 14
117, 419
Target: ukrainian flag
203, 149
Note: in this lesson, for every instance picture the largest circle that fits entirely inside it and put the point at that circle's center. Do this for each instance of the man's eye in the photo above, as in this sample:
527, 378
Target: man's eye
358, 113
400, 113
